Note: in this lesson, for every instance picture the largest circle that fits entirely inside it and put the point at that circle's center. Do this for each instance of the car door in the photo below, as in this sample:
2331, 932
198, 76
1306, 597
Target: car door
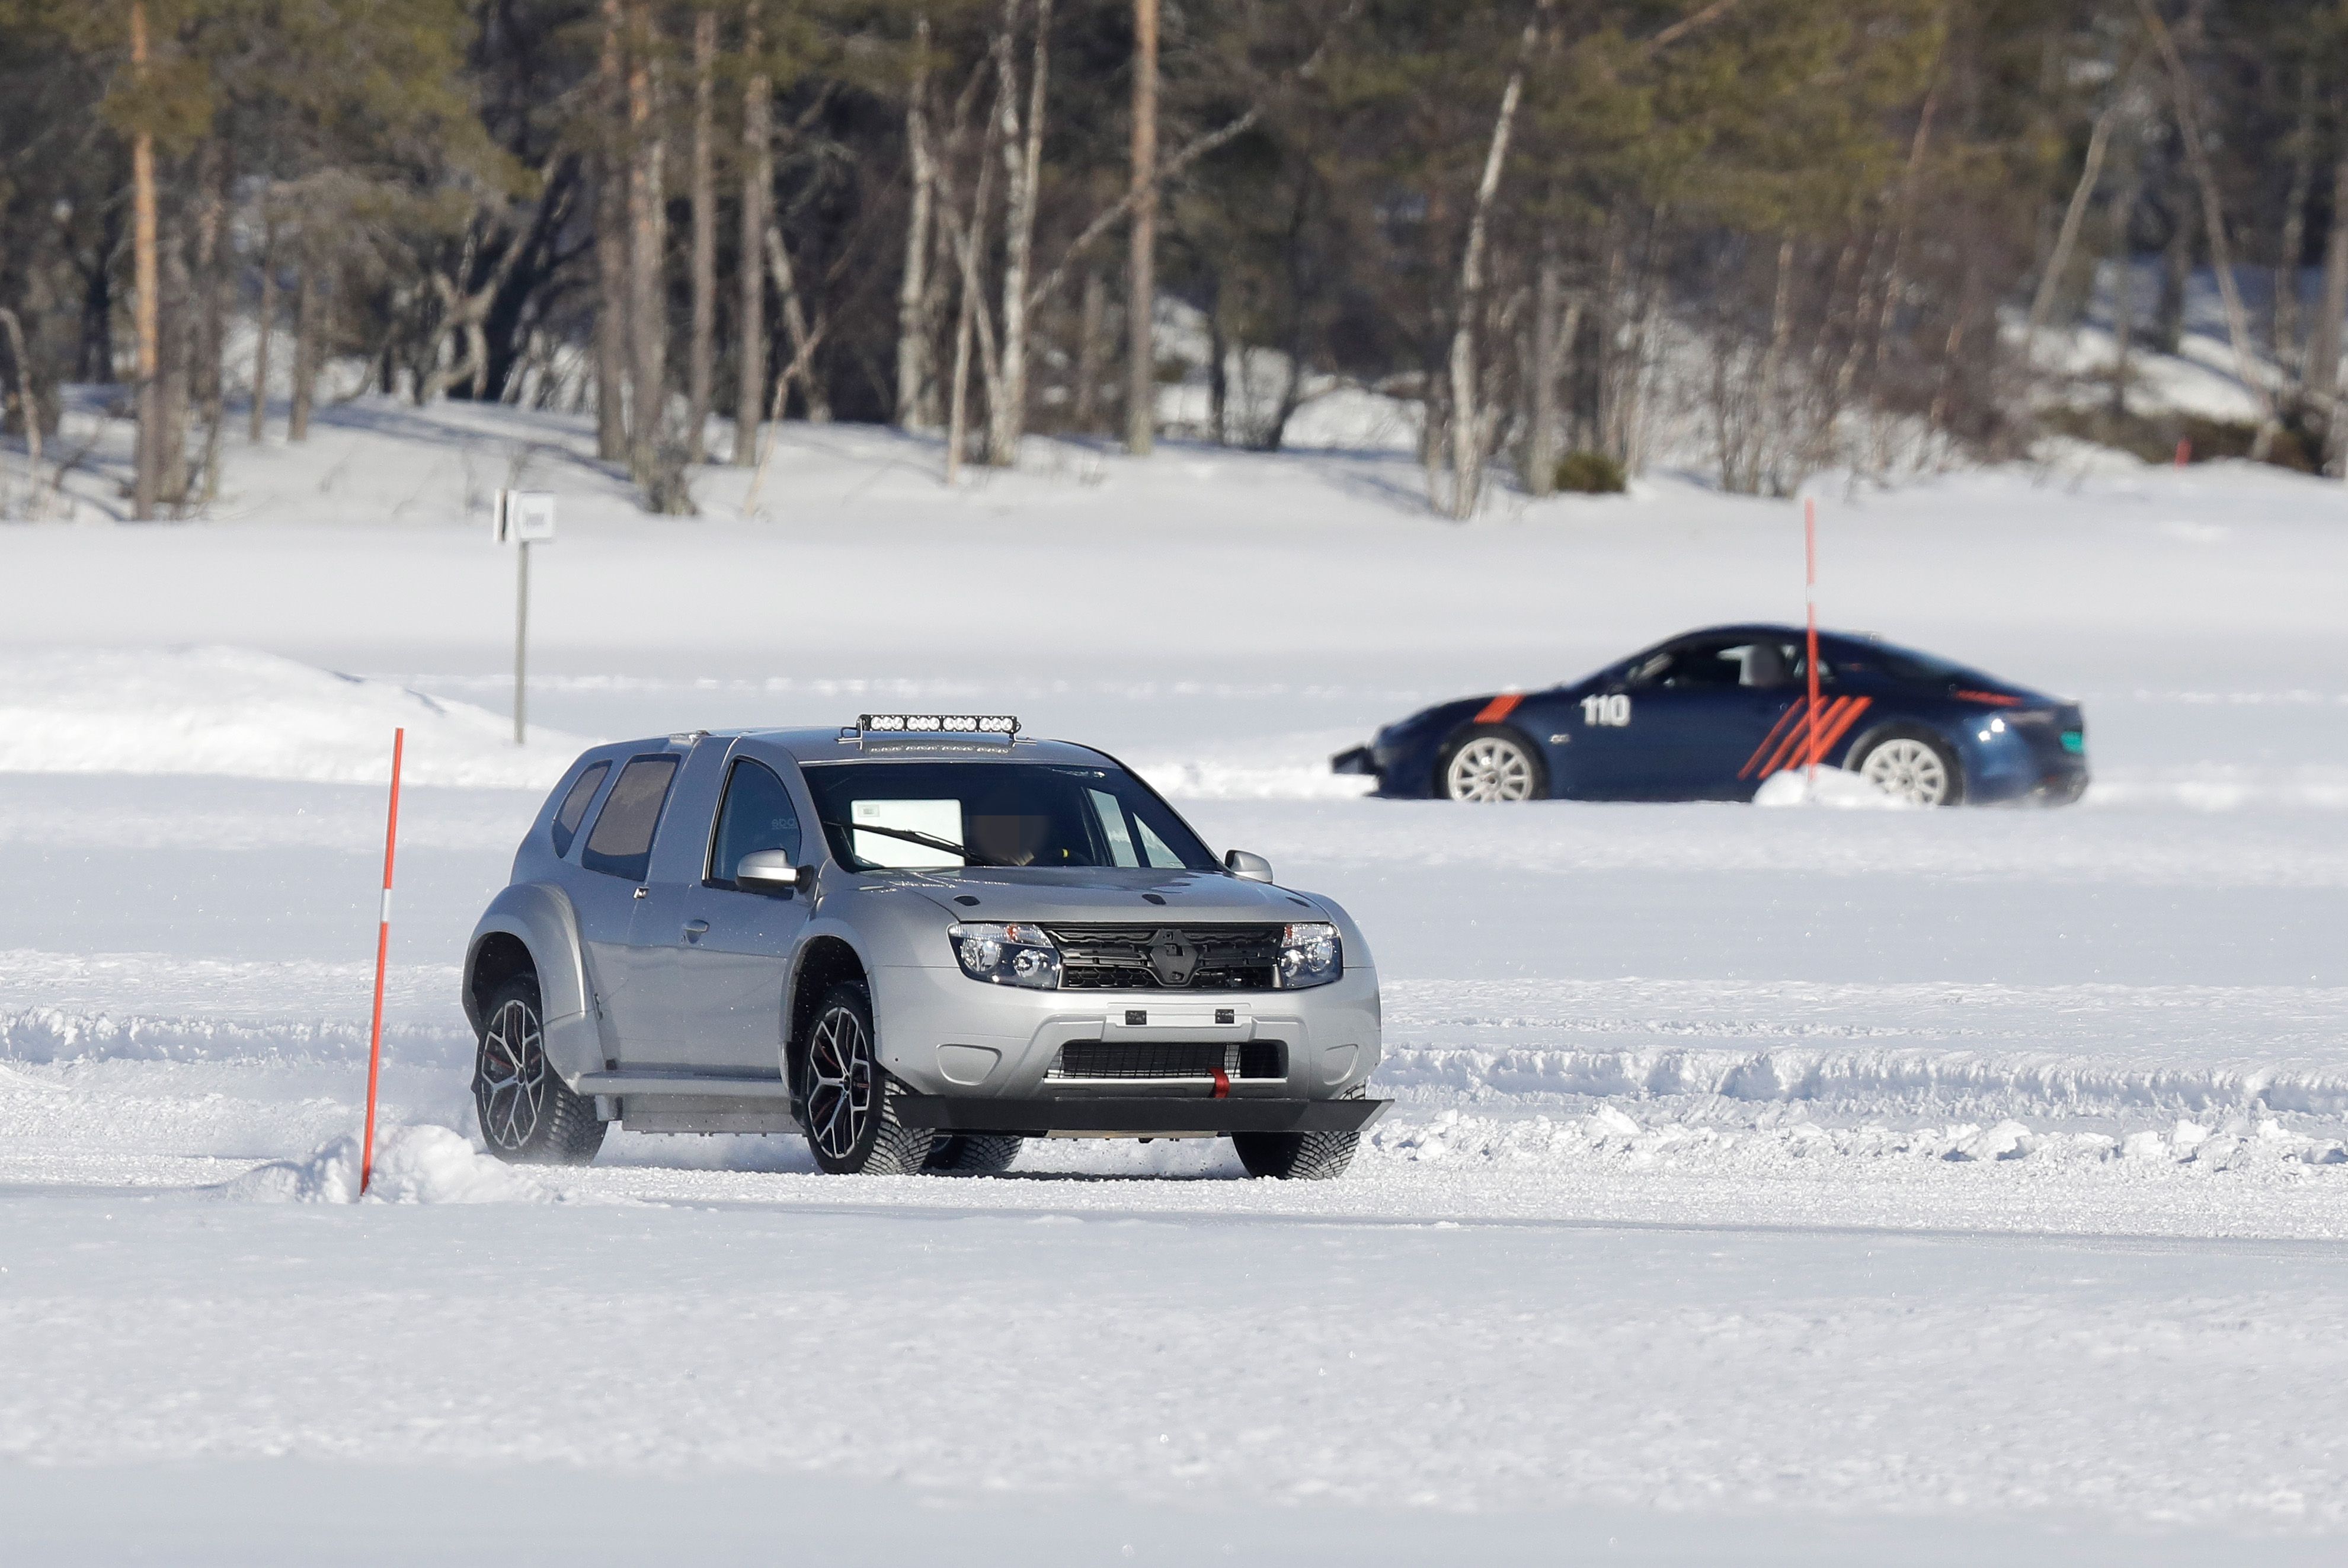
1702, 706
658, 1032
732, 948
617, 859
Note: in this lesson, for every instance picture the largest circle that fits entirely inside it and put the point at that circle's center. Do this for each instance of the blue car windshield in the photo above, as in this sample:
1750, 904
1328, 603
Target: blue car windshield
1047, 815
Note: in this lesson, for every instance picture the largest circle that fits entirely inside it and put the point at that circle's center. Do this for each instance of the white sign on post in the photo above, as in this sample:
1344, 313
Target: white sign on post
521, 519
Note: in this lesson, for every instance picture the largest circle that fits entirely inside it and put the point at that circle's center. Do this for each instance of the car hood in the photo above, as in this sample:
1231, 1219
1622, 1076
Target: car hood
1093, 894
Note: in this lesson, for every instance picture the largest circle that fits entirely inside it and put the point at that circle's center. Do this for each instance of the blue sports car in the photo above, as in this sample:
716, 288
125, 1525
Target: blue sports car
1711, 715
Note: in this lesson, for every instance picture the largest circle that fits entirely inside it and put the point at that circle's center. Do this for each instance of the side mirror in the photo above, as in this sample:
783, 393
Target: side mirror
1255, 868
767, 870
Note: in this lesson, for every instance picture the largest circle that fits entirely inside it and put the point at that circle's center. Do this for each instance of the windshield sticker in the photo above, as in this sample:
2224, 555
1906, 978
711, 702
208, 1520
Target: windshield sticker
937, 818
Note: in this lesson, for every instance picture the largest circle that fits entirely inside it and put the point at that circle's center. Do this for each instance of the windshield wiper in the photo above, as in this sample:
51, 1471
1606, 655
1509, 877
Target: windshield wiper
928, 841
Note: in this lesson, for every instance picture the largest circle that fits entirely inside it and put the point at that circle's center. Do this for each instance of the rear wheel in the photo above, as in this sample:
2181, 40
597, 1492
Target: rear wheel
1913, 767
974, 1153
850, 1103
1492, 763
528, 1115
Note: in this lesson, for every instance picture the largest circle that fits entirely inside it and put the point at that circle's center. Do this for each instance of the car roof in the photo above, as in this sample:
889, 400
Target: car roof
842, 744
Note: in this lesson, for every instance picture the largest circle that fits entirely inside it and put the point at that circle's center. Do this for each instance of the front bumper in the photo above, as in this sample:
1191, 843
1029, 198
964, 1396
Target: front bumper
1361, 759
1151, 1116
944, 1034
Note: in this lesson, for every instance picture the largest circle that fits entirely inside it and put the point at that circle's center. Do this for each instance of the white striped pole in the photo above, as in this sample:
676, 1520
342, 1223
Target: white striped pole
382, 958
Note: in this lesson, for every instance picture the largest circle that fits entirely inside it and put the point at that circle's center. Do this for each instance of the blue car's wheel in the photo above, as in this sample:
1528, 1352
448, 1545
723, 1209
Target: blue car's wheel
1492, 762
1913, 765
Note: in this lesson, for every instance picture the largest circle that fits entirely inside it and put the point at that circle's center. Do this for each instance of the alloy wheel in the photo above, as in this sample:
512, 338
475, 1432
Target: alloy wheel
1489, 768
509, 1086
840, 1081
1910, 769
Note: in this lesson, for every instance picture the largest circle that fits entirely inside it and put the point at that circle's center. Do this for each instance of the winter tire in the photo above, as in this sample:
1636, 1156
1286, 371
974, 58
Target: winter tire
850, 1102
1492, 762
974, 1153
1298, 1156
1912, 766
528, 1115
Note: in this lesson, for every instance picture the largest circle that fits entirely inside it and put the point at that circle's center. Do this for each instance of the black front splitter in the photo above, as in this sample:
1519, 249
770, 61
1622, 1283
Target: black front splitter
1157, 1115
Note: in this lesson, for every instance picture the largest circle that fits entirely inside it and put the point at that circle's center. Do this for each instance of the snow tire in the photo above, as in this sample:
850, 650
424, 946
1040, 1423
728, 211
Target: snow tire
849, 1100
1298, 1156
527, 1114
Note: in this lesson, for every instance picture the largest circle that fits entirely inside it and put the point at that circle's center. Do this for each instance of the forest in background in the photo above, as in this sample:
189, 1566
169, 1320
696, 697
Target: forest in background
1839, 231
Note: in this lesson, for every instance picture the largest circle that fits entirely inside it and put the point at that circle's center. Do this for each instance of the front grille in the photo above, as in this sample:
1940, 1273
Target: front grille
1172, 1059
1119, 958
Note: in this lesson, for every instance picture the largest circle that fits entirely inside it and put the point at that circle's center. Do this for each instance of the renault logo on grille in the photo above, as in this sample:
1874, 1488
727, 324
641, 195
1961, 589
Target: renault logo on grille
1173, 959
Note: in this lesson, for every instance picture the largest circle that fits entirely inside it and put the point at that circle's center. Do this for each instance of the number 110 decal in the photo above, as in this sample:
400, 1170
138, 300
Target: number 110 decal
1612, 711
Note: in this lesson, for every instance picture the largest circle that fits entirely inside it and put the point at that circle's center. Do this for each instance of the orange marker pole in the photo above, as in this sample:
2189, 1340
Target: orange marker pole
382, 959
1810, 597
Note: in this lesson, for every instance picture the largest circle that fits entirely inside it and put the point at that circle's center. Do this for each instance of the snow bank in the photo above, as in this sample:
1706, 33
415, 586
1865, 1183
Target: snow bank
1609, 1135
237, 711
1831, 787
412, 1165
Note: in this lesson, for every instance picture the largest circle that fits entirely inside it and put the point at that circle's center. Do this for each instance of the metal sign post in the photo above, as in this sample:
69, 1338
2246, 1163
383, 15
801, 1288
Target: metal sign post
523, 518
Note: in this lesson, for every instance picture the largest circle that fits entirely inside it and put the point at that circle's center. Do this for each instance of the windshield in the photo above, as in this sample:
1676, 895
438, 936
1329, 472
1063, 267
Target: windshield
912, 814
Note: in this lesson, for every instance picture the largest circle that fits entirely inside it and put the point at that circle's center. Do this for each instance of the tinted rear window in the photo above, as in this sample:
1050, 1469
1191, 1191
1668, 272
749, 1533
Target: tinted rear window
574, 806
621, 843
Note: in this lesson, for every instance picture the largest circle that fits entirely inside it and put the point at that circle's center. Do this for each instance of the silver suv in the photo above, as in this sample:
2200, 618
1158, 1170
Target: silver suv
917, 941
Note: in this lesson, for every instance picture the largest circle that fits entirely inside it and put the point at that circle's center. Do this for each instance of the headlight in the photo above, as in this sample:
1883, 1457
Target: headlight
1008, 955
1310, 955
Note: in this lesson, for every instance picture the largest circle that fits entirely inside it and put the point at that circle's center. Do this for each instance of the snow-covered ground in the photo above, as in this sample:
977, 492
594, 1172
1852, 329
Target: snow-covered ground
1764, 1185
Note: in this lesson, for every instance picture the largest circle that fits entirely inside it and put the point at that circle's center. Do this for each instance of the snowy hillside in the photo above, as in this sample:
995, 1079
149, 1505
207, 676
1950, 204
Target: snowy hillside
1763, 1185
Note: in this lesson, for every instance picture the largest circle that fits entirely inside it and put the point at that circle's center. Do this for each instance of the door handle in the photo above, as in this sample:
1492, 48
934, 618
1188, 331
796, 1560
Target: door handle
694, 930
644, 892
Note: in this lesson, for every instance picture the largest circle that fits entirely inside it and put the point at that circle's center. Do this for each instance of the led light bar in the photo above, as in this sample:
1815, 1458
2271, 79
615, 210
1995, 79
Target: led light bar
1002, 723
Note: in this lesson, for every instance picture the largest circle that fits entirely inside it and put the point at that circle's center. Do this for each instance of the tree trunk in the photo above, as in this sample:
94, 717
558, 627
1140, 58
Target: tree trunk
795, 323
701, 354
757, 183
2213, 217
2122, 263
1023, 165
2295, 231
29, 401
1540, 427
217, 278
305, 345
2324, 344
648, 339
2042, 304
1141, 277
147, 268
612, 336
916, 396
1090, 317
177, 366
257, 420
1468, 424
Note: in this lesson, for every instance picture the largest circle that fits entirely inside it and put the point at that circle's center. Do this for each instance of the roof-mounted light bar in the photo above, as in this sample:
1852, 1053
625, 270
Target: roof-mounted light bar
1002, 727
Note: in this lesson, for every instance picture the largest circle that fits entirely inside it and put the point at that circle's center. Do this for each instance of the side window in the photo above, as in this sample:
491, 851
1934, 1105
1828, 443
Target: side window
757, 814
1710, 664
621, 843
574, 806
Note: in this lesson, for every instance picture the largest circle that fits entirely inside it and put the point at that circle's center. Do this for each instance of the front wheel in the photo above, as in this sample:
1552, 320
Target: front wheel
528, 1115
1492, 763
851, 1102
1298, 1156
1911, 766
